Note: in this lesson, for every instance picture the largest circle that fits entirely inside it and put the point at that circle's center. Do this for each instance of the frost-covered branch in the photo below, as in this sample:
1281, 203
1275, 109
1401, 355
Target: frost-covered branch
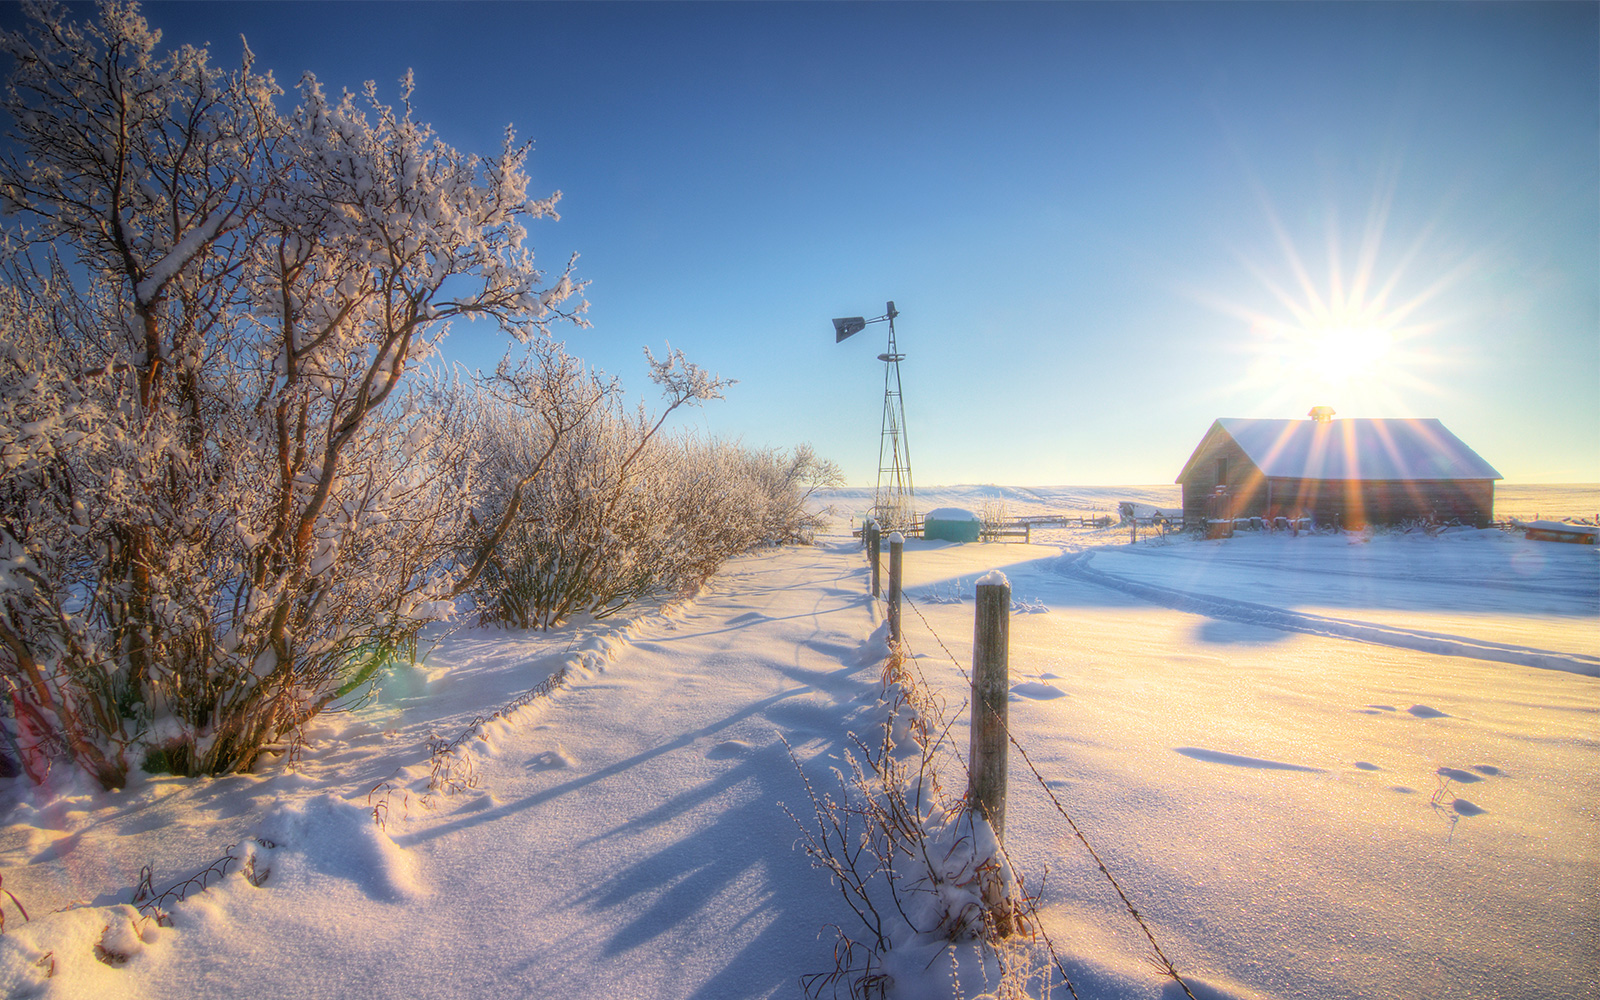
230, 484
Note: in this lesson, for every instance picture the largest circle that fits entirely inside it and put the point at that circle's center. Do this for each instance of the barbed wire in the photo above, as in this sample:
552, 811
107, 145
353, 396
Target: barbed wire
1165, 963
1030, 901
929, 703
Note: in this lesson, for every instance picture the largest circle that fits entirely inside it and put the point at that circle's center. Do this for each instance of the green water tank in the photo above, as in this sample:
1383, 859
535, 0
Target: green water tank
951, 524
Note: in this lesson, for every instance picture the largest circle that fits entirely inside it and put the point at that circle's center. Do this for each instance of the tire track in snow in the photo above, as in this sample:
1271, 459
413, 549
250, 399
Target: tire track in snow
1580, 591
1227, 609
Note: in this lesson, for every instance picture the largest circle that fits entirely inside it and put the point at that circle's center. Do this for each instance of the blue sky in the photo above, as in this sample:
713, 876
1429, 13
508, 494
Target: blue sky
1104, 225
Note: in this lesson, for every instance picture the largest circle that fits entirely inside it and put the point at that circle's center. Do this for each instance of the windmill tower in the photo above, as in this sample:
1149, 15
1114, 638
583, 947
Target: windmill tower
894, 500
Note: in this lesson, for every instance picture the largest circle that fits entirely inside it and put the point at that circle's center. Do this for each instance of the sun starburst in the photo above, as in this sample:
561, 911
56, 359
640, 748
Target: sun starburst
1356, 332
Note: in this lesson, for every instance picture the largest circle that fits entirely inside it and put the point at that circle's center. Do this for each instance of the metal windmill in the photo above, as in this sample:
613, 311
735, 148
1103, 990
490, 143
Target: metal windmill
894, 501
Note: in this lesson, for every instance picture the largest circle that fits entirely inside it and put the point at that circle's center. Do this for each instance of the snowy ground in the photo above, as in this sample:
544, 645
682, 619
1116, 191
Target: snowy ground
1333, 766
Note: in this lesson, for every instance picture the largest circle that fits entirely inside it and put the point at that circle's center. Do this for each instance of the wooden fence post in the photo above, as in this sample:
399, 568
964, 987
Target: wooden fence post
991, 688
875, 553
897, 547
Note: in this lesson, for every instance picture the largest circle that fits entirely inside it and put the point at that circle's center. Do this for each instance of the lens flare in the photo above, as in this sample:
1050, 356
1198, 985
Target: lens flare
1346, 336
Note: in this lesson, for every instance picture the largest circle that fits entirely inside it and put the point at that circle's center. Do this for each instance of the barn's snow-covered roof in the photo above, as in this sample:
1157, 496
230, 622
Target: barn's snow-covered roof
1371, 449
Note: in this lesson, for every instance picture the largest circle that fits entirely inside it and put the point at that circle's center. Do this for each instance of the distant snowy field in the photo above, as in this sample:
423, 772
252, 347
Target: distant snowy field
1511, 500
1336, 766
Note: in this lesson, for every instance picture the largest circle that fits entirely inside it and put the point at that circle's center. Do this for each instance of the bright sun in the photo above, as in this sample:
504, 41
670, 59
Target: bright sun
1358, 356
1337, 335
1340, 352
1353, 362
1355, 326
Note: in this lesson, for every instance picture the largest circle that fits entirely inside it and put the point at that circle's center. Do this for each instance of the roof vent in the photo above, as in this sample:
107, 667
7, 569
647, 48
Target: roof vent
1321, 414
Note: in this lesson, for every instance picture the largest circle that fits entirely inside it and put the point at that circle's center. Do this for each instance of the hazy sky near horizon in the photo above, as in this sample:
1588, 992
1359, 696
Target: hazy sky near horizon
1104, 225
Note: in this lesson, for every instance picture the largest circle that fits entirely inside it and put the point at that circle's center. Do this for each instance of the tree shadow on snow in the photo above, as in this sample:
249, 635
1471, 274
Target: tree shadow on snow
409, 840
733, 887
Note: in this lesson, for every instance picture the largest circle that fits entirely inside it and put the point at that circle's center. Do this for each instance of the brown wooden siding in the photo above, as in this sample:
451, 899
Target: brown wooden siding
1346, 503
1245, 481
1357, 503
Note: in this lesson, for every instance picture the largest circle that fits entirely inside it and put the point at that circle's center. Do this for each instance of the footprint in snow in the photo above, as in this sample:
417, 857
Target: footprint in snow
1487, 769
730, 748
1427, 712
1239, 760
1367, 766
552, 760
1460, 807
1037, 690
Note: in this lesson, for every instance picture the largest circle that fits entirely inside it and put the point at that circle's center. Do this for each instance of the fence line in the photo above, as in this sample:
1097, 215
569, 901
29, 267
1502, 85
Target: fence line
1031, 903
1165, 962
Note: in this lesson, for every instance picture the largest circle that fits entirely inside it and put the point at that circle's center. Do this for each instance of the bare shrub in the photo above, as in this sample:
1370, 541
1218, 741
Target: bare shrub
995, 515
226, 490
573, 490
247, 856
14, 902
923, 874
784, 482
589, 508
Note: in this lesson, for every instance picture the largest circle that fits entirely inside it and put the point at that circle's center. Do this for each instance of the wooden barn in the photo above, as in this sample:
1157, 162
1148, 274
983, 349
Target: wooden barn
1349, 473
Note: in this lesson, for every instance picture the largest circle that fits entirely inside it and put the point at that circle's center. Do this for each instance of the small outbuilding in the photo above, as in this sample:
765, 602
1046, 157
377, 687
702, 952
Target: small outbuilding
1559, 531
1349, 473
952, 524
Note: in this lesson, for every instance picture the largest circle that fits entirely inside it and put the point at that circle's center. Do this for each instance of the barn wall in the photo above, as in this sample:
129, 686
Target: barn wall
1246, 483
1348, 503
1354, 504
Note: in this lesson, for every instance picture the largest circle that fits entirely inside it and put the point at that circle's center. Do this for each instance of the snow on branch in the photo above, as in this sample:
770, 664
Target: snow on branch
230, 487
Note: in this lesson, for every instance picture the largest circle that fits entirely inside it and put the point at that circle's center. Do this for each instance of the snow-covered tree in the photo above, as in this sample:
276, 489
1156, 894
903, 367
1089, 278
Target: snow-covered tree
584, 489
226, 485
594, 508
